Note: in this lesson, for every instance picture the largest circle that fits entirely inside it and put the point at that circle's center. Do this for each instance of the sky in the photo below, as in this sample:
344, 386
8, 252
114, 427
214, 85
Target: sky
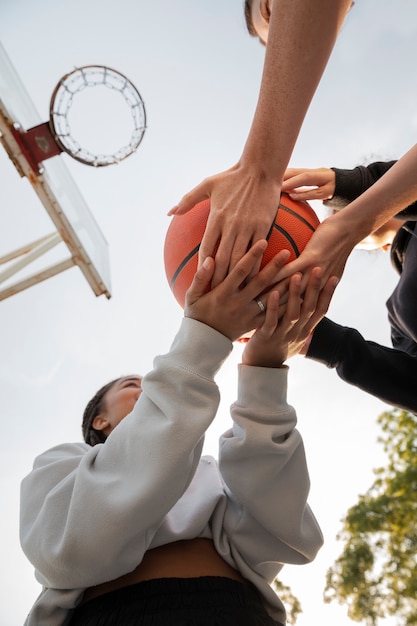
199, 73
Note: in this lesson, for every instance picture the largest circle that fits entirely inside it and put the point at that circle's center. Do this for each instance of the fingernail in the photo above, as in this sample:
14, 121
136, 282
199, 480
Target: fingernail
206, 263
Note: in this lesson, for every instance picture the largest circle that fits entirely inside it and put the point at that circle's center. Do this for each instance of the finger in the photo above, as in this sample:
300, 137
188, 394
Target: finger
241, 271
270, 323
266, 279
293, 312
217, 242
299, 178
323, 192
232, 247
201, 282
242, 242
301, 264
312, 292
187, 202
261, 232
290, 172
323, 303
208, 246
223, 255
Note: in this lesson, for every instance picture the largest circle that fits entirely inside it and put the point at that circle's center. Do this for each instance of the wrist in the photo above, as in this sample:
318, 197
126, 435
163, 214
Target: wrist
266, 363
261, 163
351, 230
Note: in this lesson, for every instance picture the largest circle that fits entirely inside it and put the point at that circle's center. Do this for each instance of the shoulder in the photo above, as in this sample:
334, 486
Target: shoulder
61, 452
399, 245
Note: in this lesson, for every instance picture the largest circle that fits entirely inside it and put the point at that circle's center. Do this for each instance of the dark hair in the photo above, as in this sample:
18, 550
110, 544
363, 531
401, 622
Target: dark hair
249, 21
94, 408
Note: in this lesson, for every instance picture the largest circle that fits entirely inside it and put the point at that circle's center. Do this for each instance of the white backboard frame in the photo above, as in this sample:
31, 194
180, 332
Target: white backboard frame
75, 224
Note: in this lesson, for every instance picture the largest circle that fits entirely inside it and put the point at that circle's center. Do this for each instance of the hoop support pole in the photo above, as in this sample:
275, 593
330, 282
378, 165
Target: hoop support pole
36, 250
34, 279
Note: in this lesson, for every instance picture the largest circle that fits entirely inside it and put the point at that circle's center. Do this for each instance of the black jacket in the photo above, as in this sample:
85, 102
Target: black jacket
389, 374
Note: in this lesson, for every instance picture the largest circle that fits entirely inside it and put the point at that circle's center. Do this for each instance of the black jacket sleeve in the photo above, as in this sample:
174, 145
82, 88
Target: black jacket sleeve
387, 374
352, 183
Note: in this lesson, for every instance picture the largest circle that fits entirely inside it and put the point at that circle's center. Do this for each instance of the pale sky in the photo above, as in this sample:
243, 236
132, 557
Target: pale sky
198, 72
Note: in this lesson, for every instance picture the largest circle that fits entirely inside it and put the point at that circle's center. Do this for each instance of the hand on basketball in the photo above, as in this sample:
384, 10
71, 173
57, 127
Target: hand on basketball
231, 307
309, 184
243, 205
277, 339
328, 248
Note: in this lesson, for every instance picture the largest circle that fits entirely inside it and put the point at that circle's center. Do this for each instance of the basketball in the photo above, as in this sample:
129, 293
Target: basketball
294, 224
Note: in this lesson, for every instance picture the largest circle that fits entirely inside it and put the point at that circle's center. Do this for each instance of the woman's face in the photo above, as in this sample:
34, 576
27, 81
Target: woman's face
118, 402
383, 237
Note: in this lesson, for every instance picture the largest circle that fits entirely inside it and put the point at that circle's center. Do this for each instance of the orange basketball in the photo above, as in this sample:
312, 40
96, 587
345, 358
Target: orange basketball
294, 224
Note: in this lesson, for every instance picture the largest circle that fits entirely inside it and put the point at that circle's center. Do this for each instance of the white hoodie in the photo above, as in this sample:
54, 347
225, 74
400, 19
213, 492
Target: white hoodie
88, 514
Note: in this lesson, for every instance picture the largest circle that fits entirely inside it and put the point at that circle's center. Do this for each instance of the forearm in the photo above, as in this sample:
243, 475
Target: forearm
301, 37
351, 183
262, 461
383, 372
87, 513
394, 191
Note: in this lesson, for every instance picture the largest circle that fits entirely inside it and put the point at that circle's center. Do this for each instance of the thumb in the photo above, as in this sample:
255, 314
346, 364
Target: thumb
193, 197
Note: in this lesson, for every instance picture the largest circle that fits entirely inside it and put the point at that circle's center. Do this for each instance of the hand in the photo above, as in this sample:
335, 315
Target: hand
279, 339
230, 307
304, 348
243, 204
328, 248
320, 183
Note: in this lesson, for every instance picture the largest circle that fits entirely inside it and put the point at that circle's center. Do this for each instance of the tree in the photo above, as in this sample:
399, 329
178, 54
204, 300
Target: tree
291, 603
376, 574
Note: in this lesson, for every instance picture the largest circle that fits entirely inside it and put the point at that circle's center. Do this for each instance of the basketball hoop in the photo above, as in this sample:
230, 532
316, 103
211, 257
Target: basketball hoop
62, 100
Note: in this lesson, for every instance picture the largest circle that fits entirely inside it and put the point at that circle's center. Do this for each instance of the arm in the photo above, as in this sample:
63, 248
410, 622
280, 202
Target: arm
262, 457
336, 236
262, 461
290, 77
338, 187
351, 183
383, 372
89, 514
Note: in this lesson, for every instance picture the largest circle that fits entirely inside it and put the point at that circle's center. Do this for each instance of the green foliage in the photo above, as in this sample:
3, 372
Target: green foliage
291, 603
376, 574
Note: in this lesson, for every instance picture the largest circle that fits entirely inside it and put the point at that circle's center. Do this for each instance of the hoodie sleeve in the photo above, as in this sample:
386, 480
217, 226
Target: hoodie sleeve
351, 183
263, 463
386, 373
89, 513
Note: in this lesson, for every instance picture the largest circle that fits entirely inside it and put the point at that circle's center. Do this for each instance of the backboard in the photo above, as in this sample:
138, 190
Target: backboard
75, 224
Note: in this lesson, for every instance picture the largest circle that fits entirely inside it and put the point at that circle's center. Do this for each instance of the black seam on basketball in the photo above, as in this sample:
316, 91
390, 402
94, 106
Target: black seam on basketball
183, 264
272, 226
288, 238
297, 215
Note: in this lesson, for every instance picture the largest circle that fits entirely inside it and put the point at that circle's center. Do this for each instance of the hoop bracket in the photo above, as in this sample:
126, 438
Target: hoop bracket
37, 144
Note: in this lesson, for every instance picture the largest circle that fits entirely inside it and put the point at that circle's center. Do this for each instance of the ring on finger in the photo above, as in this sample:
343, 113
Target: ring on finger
260, 304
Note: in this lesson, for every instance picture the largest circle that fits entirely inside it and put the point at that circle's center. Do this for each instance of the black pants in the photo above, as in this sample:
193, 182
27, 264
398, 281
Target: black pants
205, 601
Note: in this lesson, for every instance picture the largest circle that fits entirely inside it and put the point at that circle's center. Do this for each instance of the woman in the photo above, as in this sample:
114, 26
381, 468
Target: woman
389, 374
134, 526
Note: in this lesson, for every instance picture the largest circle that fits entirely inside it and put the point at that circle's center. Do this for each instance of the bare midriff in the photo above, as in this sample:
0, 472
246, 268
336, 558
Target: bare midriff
182, 559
